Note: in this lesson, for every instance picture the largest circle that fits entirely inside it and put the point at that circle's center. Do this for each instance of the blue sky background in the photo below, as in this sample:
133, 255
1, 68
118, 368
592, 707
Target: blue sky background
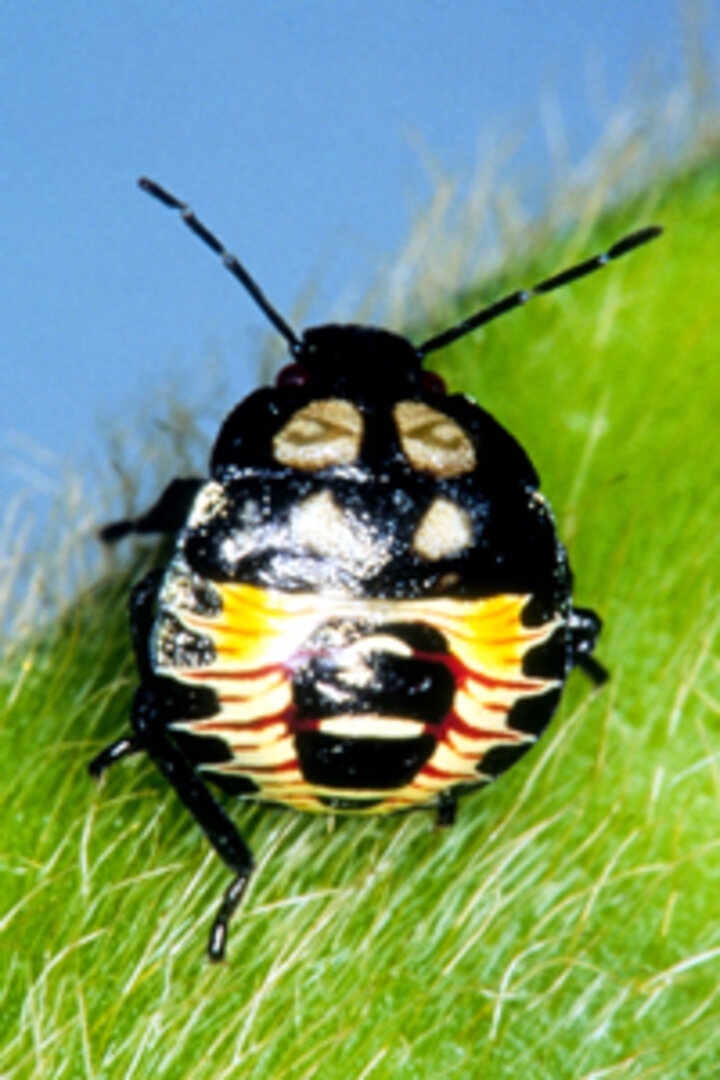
292, 128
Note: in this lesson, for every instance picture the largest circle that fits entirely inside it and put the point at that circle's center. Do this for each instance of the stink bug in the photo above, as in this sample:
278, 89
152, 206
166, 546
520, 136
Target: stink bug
368, 608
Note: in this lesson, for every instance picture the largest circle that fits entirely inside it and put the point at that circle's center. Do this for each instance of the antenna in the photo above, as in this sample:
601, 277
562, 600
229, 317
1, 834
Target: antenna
230, 262
517, 299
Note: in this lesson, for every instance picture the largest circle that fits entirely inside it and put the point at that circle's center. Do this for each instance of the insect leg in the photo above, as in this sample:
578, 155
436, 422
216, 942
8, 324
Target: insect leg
142, 615
121, 748
585, 625
446, 809
167, 515
142, 606
156, 703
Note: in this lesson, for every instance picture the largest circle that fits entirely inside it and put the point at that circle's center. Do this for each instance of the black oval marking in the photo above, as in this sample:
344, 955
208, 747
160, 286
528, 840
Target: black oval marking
373, 764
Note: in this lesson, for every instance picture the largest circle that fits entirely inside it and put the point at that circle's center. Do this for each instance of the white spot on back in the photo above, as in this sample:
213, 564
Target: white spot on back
445, 530
433, 442
323, 433
209, 503
370, 726
323, 528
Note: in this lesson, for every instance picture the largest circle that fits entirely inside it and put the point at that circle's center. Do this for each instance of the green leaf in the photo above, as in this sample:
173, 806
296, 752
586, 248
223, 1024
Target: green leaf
567, 926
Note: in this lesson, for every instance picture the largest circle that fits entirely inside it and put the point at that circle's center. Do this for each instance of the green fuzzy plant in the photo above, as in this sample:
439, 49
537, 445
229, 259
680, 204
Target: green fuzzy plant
567, 927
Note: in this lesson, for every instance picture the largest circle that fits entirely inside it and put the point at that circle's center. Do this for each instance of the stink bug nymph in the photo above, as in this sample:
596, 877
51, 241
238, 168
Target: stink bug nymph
368, 608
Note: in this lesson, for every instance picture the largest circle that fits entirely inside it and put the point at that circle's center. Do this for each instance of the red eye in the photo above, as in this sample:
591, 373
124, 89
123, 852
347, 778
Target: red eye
292, 375
433, 383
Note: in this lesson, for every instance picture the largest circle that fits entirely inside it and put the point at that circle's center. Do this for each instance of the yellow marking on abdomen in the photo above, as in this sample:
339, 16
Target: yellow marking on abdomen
261, 639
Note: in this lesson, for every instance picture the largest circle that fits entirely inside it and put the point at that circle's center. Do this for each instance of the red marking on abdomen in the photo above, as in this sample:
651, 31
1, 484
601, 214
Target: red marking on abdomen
440, 774
210, 674
233, 726
461, 673
452, 721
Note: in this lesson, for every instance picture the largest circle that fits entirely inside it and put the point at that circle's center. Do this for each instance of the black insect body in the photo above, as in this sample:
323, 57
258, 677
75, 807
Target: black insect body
368, 608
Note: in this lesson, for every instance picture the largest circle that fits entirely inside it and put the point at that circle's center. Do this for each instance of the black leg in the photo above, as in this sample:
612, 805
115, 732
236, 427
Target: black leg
156, 703
446, 810
233, 895
142, 607
594, 670
167, 515
585, 626
119, 749
142, 615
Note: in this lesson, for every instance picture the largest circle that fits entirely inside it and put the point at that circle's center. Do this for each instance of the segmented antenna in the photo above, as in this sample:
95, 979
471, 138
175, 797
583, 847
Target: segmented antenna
517, 299
230, 261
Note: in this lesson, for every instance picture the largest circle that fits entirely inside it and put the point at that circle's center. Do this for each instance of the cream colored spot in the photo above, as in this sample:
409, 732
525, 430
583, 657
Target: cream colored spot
432, 442
445, 530
374, 643
321, 526
370, 726
210, 502
323, 433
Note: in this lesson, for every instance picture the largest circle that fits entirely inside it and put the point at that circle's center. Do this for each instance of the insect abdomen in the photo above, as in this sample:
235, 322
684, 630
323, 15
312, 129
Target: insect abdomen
350, 703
